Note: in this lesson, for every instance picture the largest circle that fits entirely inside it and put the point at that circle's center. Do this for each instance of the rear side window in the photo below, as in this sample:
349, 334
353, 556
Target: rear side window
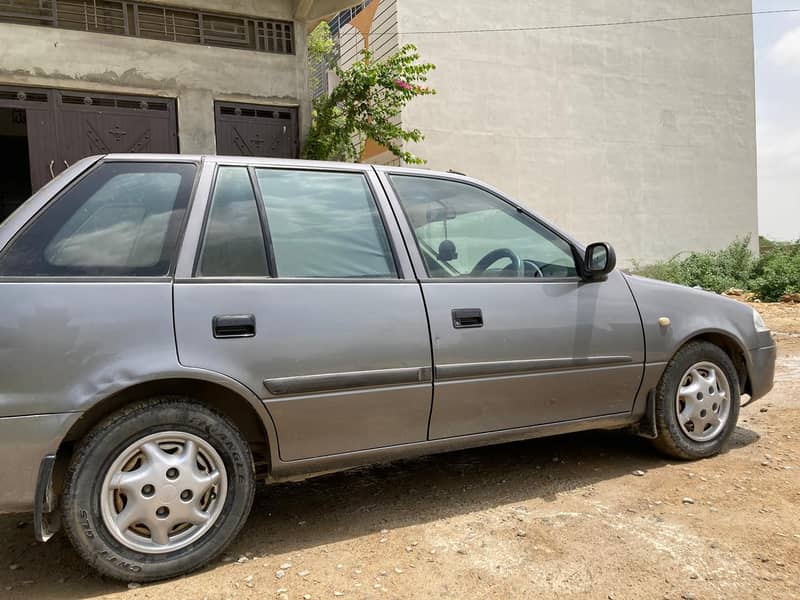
234, 241
120, 220
324, 225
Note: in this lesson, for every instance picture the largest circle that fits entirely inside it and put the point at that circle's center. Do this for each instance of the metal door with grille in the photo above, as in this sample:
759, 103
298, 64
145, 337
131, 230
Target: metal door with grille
37, 107
103, 124
65, 126
253, 130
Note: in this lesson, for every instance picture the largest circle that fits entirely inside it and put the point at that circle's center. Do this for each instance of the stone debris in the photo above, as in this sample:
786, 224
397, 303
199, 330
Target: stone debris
280, 573
638, 473
688, 500
286, 565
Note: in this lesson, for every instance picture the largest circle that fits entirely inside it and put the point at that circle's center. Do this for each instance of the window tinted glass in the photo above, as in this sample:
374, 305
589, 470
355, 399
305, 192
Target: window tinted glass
234, 242
463, 231
122, 219
324, 225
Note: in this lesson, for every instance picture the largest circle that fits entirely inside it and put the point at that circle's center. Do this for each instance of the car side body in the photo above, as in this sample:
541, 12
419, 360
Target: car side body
331, 373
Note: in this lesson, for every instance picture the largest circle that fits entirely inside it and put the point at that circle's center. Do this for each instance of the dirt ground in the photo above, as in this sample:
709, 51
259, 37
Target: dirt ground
561, 516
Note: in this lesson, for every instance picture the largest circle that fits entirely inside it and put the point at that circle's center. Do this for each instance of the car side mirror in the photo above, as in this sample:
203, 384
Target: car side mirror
599, 260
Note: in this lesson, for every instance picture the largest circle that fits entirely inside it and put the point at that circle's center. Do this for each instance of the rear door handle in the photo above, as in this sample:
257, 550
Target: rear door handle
467, 318
234, 326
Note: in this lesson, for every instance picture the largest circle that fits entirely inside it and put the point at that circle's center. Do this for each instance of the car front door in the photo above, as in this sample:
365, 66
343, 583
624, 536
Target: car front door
518, 338
296, 290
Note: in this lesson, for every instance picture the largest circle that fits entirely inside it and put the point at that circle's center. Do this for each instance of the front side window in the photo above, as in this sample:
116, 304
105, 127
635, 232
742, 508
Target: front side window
464, 231
324, 225
122, 219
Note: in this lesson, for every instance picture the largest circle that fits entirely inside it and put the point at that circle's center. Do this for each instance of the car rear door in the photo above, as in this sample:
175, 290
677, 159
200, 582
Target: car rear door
518, 339
292, 281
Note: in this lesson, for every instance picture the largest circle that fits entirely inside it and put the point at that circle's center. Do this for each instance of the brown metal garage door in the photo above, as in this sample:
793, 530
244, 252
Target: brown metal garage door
253, 130
65, 126
103, 124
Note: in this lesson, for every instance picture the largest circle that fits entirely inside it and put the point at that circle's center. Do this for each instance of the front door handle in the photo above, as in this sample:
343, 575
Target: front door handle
467, 318
234, 326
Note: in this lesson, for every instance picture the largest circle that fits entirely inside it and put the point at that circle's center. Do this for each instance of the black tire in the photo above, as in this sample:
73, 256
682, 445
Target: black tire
82, 517
671, 439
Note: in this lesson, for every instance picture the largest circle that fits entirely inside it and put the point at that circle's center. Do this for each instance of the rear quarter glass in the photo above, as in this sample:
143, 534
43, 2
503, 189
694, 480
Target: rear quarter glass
121, 219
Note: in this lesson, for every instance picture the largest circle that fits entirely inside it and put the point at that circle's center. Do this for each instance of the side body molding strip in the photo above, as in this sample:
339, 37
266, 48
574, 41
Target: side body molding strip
306, 384
518, 367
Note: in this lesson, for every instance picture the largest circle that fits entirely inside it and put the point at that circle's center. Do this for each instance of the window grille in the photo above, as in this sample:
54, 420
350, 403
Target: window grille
137, 19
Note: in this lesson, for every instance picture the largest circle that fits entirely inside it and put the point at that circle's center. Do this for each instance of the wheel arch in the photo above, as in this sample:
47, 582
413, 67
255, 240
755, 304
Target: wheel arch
728, 344
241, 406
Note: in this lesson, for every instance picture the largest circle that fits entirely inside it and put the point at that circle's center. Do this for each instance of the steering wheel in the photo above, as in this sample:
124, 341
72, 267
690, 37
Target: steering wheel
495, 255
537, 270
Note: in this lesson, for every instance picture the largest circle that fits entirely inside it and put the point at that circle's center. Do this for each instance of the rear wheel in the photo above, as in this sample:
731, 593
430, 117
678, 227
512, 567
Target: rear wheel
157, 490
697, 402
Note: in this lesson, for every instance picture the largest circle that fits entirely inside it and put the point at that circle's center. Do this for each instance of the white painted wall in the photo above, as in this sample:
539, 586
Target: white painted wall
642, 135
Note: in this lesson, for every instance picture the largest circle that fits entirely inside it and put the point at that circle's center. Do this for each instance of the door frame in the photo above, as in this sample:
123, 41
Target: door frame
385, 172
472, 373
384, 387
193, 232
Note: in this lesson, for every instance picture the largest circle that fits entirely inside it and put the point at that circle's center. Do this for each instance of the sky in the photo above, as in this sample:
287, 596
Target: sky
777, 54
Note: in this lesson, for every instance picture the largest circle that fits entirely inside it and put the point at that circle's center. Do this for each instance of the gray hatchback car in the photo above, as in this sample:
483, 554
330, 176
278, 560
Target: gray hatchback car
177, 327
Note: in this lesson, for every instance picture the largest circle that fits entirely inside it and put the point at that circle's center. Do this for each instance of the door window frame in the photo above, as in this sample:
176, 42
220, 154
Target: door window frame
57, 194
385, 174
193, 241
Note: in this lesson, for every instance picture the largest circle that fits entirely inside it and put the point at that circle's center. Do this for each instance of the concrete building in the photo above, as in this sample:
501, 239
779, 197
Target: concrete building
641, 134
80, 77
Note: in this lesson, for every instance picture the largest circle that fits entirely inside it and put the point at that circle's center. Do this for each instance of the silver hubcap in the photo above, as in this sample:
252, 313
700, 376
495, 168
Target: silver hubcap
163, 492
703, 402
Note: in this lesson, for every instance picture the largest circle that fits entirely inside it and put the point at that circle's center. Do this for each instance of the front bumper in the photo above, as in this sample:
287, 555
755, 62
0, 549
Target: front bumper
24, 442
761, 371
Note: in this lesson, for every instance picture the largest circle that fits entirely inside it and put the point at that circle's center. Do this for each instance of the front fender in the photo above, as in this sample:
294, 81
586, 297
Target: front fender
691, 313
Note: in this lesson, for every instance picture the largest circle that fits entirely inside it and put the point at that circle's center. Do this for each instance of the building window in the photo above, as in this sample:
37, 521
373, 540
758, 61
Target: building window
152, 21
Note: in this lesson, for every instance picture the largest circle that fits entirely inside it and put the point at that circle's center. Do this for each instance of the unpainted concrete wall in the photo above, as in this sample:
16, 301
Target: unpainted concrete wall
642, 135
195, 75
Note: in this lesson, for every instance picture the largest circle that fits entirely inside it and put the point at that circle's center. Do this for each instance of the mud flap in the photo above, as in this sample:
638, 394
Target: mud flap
46, 521
646, 427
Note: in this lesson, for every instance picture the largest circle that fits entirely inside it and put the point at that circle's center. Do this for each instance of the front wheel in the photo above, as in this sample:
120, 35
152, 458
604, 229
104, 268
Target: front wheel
158, 490
697, 402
